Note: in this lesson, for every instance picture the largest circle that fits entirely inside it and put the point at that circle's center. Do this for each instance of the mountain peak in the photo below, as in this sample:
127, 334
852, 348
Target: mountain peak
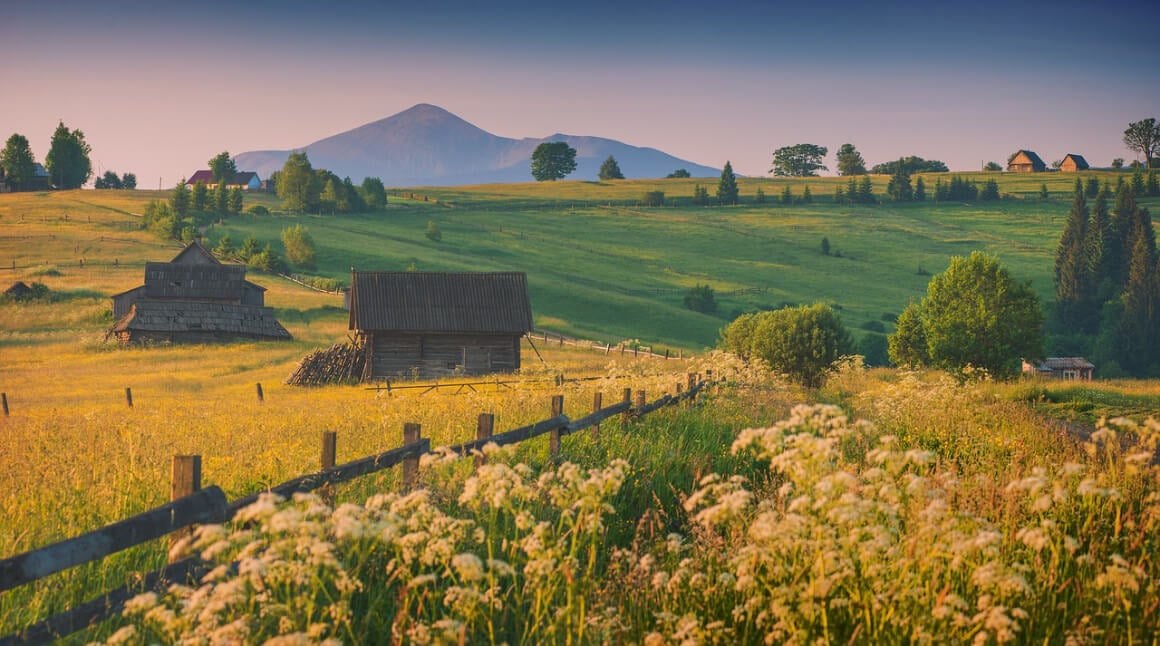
427, 145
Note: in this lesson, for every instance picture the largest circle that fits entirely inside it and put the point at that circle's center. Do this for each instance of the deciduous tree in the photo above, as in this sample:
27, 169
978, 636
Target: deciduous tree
553, 161
17, 161
1143, 137
609, 170
850, 161
298, 185
299, 246
679, 173
223, 168
975, 314
799, 160
801, 342
374, 193
68, 163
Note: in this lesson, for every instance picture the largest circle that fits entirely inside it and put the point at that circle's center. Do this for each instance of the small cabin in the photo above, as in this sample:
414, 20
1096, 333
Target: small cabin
427, 325
245, 180
194, 298
1072, 163
1025, 161
1063, 368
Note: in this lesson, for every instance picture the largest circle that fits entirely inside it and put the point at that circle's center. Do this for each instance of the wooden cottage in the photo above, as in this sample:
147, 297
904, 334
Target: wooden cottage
1025, 161
1072, 163
428, 325
1065, 368
194, 299
245, 180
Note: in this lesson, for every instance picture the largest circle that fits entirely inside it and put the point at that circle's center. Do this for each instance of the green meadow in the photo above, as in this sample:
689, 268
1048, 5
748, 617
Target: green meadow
601, 266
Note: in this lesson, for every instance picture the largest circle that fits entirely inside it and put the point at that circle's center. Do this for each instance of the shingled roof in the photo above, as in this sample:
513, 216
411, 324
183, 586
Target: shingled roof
219, 319
440, 302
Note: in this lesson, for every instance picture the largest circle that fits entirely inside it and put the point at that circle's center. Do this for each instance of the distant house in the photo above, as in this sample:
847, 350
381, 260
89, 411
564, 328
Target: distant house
1065, 368
1025, 161
1072, 162
245, 180
194, 299
18, 291
428, 325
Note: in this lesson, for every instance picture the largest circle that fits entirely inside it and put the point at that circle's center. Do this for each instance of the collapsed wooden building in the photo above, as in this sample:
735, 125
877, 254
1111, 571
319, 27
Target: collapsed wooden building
194, 298
426, 325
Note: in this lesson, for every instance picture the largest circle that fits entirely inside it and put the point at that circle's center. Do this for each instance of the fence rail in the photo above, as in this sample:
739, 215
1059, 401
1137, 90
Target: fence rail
209, 505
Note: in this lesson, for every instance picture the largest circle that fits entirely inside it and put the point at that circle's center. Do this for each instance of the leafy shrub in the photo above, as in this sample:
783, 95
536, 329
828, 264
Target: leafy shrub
873, 326
433, 232
653, 198
258, 209
701, 299
801, 342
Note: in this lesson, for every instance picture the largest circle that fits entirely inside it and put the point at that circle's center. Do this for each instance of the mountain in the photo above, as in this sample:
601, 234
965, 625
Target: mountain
428, 146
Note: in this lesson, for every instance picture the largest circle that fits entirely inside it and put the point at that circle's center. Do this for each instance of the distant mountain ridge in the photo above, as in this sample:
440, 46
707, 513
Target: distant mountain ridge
426, 145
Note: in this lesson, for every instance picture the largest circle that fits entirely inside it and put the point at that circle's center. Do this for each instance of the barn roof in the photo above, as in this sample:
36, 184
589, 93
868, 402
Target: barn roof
175, 280
1080, 162
440, 302
1032, 158
1060, 363
228, 319
195, 254
203, 176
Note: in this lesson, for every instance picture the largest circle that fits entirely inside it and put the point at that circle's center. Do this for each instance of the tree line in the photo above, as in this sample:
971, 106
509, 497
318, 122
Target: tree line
305, 189
67, 163
1107, 280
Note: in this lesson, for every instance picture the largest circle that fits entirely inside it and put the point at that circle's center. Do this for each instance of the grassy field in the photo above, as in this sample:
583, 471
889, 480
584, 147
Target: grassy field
599, 266
963, 511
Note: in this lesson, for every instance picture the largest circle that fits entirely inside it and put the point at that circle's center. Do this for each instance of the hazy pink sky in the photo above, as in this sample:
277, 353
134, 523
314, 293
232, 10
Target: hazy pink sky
158, 91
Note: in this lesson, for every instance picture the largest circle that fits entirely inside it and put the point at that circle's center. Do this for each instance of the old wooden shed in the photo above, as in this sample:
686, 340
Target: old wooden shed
194, 298
427, 325
1072, 163
1025, 161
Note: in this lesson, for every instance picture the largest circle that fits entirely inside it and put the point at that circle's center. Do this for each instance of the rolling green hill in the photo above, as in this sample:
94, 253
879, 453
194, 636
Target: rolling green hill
599, 265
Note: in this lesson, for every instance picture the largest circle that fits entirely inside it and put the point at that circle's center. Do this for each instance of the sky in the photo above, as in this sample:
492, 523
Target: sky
159, 88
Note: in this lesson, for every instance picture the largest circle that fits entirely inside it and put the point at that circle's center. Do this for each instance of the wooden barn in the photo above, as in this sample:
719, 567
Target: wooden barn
427, 325
1025, 161
1065, 368
194, 299
1072, 163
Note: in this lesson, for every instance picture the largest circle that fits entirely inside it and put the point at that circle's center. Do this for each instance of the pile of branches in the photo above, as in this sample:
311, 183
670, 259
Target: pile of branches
340, 363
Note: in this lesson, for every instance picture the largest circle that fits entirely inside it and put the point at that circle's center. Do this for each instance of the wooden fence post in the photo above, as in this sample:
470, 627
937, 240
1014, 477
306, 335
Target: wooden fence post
329, 449
597, 404
129, 396
186, 479
639, 401
483, 430
261, 398
628, 412
554, 434
4, 399
412, 432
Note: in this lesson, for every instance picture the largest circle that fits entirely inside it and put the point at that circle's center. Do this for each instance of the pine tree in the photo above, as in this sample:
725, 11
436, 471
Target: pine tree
1099, 253
1138, 185
1092, 188
727, 185
759, 196
1140, 323
807, 197
919, 190
839, 195
1072, 280
786, 195
865, 191
899, 187
179, 199
610, 170
199, 196
1153, 185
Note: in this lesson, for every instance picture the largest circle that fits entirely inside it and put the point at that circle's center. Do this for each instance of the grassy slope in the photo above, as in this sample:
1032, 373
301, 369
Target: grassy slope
593, 256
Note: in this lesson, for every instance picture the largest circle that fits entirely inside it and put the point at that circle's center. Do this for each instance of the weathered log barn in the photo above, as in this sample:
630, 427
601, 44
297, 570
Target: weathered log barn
427, 325
1025, 161
1072, 163
194, 299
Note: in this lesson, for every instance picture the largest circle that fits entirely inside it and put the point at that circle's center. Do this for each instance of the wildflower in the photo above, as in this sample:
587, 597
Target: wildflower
468, 566
140, 603
123, 635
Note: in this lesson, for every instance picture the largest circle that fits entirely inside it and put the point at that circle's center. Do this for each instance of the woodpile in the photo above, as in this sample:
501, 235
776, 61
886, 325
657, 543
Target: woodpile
340, 363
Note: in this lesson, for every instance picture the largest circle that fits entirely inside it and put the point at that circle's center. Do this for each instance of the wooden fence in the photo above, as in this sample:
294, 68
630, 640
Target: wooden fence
192, 505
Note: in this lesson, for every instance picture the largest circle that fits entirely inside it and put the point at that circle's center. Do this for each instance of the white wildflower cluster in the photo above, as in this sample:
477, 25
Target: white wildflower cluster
289, 572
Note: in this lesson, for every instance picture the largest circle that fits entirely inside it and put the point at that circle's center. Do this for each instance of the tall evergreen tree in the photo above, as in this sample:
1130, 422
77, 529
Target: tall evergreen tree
1099, 251
899, 187
1072, 279
919, 190
179, 199
200, 196
221, 199
727, 185
610, 170
1139, 341
865, 191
